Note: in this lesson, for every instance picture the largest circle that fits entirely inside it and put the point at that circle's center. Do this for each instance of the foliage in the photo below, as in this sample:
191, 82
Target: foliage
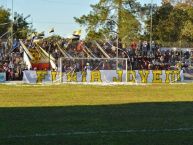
4, 21
187, 31
172, 23
107, 16
53, 38
20, 26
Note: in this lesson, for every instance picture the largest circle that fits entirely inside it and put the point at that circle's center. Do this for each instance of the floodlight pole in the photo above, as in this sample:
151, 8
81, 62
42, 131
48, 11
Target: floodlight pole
49, 53
49, 56
12, 25
117, 53
126, 67
11, 37
60, 69
151, 13
117, 42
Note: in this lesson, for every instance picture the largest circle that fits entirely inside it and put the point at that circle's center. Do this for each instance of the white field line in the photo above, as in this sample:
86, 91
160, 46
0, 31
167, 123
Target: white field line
106, 83
84, 83
78, 83
21, 83
100, 132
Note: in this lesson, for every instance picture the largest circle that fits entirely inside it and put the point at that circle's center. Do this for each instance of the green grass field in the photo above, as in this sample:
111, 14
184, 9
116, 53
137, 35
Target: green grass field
96, 115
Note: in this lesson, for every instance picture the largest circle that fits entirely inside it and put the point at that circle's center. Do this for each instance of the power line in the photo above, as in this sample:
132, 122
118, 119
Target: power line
4, 3
53, 22
2, 24
61, 2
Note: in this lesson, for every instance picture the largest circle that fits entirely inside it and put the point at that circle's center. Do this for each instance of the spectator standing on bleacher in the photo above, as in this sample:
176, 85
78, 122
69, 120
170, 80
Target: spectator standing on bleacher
144, 48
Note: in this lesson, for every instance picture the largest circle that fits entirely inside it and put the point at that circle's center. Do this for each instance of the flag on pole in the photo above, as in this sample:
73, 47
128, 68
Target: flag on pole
31, 37
76, 35
51, 30
41, 35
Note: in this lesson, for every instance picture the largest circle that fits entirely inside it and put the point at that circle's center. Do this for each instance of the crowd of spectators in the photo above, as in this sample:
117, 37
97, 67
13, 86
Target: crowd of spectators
140, 56
11, 62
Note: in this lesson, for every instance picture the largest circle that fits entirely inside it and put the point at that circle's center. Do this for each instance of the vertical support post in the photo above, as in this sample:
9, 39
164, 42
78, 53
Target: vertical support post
60, 69
126, 69
12, 11
118, 27
49, 56
151, 11
117, 52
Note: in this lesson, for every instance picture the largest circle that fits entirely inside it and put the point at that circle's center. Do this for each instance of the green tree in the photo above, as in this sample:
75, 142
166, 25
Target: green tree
187, 31
21, 27
159, 21
145, 18
4, 21
172, 24
175, 2
108, 16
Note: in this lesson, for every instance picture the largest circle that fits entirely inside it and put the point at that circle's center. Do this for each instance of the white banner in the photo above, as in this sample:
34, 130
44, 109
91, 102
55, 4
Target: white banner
107, 76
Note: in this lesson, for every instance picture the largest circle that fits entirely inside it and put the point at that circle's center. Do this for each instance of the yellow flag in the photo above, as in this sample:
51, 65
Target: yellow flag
77, 33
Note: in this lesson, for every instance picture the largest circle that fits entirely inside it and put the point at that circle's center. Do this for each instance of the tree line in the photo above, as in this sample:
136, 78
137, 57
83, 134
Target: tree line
170, 24
17, 27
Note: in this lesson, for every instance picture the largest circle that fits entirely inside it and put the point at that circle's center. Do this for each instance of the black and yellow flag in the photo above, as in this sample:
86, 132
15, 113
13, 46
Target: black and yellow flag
76, 35
51, 30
